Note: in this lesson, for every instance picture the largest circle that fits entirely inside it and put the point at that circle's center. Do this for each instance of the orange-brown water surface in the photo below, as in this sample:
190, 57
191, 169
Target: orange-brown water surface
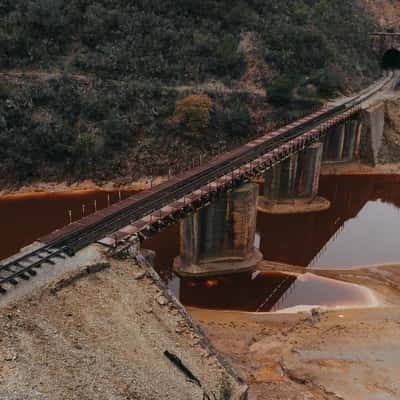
360, 228
265, 291
26, 217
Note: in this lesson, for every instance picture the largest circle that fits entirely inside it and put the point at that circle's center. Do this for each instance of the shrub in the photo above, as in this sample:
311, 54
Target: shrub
228, 59
299, 36
117, 132
329, 81
243, 15
237, 121
280, 91
225, 391
96, 109
193, 113
47, 18
317, 42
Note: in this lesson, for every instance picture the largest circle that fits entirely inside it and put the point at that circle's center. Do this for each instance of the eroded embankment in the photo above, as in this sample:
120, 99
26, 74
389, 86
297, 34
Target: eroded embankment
390, 150
102, 333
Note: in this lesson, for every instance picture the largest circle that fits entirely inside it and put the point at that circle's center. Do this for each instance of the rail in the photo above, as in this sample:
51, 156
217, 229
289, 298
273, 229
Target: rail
68, 240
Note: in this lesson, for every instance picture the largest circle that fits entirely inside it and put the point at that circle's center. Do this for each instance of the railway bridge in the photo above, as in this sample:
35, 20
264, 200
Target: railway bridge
216, 201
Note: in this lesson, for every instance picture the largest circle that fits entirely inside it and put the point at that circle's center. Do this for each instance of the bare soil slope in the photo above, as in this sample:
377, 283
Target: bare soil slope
103, 336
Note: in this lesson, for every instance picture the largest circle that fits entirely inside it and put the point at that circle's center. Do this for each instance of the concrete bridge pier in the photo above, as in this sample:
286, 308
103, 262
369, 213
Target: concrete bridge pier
292, 186
280, 181
342, 142
219, 239
351, 140
334, 144
372, 127
308, 172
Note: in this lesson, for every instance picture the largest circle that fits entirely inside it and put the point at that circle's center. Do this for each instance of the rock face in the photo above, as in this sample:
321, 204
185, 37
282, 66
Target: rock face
380, 133
390, 150
387, 12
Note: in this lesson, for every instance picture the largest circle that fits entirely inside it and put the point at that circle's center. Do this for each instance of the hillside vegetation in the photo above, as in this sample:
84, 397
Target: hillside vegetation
119, 88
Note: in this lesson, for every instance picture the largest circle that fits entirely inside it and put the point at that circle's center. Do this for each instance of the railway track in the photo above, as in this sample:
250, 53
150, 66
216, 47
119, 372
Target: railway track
66, 241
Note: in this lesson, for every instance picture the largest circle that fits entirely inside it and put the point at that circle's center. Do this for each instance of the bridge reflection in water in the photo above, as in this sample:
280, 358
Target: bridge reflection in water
305, 240
268, 292
361, 226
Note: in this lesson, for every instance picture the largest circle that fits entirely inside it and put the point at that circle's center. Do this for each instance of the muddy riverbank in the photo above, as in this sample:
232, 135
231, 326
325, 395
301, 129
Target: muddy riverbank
357, 168
350, 354
86, 185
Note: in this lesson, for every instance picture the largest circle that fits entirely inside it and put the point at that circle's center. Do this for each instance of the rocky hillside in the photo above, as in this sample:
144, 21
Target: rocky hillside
120, 89
386, 12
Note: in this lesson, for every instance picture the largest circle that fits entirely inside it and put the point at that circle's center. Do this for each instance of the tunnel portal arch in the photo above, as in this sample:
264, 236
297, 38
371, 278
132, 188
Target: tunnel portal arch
391, 59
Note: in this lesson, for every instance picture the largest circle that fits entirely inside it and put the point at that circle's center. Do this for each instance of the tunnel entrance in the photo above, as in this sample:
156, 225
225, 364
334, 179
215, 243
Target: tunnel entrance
391, 59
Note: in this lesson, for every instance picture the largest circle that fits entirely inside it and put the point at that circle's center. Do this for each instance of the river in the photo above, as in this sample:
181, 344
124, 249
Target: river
360, 228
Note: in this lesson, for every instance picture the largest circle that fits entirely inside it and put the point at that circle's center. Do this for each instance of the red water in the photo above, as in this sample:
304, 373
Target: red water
360, 228
24, 218
263, 292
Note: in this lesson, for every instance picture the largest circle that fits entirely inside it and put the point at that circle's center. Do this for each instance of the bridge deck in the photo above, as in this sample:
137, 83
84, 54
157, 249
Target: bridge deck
133, 212
165, 203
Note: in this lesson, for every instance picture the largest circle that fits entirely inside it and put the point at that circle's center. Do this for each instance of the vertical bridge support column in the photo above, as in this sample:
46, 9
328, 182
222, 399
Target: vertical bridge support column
292, 186
307, 183
334, 143
219, 239
372, 133
341, 142
350, 140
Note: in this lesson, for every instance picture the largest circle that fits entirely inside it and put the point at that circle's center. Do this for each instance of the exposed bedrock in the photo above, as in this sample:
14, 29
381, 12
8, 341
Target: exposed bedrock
389, 150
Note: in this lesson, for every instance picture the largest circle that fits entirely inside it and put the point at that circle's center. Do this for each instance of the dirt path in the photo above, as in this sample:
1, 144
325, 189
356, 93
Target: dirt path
213, 86
41, 75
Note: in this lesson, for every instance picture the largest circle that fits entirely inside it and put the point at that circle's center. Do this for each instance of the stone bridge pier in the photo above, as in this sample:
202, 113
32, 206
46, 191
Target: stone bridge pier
292, 185
342, 142
220, 238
